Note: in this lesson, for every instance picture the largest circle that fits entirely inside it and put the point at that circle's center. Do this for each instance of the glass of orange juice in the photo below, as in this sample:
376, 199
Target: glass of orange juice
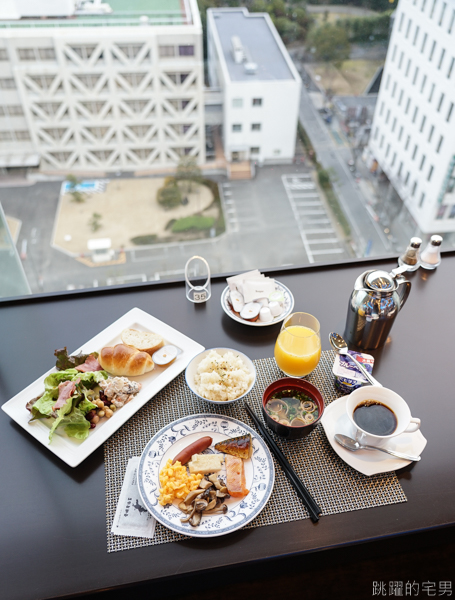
298, 346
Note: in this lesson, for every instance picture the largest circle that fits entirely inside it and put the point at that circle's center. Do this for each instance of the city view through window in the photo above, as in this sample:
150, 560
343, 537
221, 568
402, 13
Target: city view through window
257, 134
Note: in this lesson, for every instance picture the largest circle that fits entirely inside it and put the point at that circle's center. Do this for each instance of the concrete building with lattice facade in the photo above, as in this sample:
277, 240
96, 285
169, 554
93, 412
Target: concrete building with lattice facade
100, 87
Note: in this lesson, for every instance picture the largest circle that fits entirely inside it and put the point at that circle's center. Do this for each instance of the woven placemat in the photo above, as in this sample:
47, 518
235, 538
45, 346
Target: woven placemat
336, 486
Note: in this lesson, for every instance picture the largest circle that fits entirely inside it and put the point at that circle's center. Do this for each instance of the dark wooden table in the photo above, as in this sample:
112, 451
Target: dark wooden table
53, 531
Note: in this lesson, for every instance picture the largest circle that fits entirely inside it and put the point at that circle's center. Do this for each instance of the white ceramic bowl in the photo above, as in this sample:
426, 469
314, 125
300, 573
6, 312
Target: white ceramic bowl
191, 369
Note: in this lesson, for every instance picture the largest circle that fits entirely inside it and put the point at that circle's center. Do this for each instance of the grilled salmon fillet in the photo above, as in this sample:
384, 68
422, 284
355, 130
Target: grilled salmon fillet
235, 476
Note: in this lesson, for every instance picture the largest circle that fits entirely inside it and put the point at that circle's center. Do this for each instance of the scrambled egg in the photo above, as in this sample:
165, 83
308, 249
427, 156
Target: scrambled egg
176, 483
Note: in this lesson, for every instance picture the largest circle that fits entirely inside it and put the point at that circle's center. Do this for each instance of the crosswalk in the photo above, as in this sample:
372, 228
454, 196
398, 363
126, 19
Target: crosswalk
319, 238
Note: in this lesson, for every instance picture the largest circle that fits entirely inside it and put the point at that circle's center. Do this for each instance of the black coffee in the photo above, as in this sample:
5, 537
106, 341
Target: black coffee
375, 418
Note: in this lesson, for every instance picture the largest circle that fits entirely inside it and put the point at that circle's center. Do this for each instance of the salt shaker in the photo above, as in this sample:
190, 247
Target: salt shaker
431, 256
411, 258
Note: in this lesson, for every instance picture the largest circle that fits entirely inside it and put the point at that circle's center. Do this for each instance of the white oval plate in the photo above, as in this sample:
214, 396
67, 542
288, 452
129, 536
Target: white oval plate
287, 310
369, 462
167, 443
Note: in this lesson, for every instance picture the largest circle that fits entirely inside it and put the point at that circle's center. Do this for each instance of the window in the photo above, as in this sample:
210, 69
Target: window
394, 124
387, 151
430, 97
416, 35
422, 162
394, 158
394, 89
401, 22
415, 152
424, 81
382, 141
3, 54
387, 82
400, 169
166, 51
430, 173
400, 134
26, 54
441, 17
408, 103
22, 135
441, 211
7, 83
441, 100
414, 117
6, 136
432, 51
257, 101
400, 62
408, 28
394, 53
187, 50
432, 8
452, 20
449, 72
414, 187
422, 125
441, 139
13, 110
416, 73
388, 117
46, 53
381, 109
400, 98
236, 127
408, 139
441, 58
431, 133
424, 41
407, 178
408, 67
254, 150
422, 200
452, 212
237, 102
449, 114
255, 127
423, 5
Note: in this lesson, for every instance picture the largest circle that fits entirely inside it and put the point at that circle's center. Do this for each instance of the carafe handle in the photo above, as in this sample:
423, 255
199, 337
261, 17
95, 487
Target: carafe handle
403, 291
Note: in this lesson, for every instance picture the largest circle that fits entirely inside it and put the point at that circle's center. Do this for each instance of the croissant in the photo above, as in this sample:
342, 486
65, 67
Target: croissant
122, 360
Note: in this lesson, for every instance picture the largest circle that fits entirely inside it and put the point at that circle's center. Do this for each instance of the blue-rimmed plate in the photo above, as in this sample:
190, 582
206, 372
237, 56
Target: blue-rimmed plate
167, 443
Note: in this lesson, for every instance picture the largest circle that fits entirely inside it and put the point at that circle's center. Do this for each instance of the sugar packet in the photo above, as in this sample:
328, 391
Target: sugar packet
131, 516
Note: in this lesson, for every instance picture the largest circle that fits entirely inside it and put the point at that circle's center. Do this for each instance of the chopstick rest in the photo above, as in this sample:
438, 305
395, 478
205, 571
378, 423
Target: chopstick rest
310, 504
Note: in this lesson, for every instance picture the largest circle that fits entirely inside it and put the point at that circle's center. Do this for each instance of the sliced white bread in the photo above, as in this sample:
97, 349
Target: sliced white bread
142, 340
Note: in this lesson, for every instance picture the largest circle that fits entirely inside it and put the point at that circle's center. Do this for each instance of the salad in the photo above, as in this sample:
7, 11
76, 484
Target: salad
68, 398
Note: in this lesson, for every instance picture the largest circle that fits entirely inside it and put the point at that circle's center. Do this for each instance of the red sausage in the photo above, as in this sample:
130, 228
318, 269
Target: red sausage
198, 446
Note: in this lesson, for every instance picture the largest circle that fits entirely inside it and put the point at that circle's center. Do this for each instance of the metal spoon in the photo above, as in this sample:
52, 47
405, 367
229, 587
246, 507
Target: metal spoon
353, 446
340, 346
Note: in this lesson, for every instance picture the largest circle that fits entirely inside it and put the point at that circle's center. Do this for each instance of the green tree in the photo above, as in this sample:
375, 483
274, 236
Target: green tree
76, 195
188, 170
94, 221
330, 44
169, 196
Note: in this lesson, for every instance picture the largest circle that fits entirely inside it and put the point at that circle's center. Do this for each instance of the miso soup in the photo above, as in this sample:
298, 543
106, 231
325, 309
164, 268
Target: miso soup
292, 408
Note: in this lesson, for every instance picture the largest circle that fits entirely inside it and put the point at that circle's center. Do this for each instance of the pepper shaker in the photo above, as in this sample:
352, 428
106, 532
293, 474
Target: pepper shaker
431, 256
411, 258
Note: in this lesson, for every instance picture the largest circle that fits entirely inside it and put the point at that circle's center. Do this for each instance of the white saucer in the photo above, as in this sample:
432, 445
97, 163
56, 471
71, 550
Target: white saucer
369, 462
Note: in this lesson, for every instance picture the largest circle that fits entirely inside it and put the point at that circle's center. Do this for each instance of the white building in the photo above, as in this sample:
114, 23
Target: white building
413, 133
89, 86
259, 84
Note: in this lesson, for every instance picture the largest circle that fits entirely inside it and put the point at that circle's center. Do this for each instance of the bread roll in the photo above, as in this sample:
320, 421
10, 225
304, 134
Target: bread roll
122, 360
142, 340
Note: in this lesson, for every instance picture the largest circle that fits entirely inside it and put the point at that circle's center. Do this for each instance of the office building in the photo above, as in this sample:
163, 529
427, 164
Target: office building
97, 87
413, 132
259, 84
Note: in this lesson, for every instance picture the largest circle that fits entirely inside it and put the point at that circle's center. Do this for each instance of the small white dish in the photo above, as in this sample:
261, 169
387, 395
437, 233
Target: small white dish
288, 306
167, 443
369, 462
191, 369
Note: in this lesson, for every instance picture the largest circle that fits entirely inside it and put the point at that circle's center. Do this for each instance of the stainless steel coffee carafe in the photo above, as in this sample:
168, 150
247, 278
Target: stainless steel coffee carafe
377, 298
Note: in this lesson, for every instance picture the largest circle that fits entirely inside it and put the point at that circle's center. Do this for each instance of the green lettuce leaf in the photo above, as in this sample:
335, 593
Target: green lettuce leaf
61, 414
43, 406
91, 378
86, 406
65, 362
53, 379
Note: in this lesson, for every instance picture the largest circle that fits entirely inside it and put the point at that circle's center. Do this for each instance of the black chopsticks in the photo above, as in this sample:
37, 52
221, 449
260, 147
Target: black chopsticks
307, 499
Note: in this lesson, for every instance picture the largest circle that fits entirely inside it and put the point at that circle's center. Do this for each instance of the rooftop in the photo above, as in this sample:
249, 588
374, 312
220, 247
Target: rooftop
137, 13
258, 41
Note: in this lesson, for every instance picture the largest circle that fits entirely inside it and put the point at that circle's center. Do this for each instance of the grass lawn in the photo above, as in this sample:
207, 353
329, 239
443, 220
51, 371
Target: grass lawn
351, 80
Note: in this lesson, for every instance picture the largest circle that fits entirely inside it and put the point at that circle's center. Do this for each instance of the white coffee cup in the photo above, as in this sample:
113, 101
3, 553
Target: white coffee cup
405, 422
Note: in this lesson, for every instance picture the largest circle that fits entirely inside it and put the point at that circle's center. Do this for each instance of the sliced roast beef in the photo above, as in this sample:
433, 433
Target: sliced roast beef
65, 391
90, 364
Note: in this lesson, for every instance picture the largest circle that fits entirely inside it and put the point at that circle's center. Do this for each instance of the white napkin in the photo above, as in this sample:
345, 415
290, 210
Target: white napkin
131, 516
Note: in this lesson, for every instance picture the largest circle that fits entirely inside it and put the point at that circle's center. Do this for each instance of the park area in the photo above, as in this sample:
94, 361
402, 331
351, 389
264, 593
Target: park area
351, 78
127, 212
